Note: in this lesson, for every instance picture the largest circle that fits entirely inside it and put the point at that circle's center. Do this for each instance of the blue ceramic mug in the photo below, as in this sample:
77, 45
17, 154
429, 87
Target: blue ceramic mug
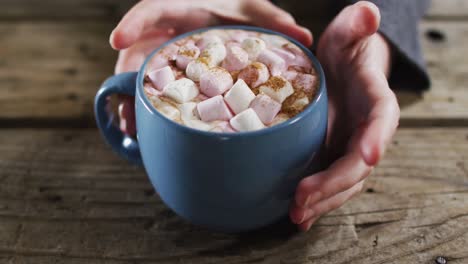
227, 182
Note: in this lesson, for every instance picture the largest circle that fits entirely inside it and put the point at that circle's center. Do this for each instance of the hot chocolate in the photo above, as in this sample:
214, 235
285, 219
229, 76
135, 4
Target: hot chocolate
230, 80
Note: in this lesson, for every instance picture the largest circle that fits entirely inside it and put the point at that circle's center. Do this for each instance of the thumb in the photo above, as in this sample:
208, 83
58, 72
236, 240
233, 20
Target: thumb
354, 24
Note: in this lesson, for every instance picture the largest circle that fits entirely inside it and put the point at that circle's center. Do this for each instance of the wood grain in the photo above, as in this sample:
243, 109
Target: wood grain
65, 198
64, 9
52, 70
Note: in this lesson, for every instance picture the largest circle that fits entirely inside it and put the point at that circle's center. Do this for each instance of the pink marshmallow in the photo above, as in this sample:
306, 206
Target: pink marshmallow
236, 59
289, 75
305, 82
286, 55
214, 109
186, 54
266, 108
239, 36
215, 81
207, 39
275, 63
150, 91
254, 74
301, 58
161, 77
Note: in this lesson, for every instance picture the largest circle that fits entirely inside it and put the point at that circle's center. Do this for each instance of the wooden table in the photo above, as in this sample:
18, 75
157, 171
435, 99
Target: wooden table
65, 198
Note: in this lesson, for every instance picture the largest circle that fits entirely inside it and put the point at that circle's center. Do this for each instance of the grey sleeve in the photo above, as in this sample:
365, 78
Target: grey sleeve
399, 24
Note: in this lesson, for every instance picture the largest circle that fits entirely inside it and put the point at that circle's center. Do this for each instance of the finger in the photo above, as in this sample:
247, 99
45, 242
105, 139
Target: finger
159, 16
127, 114
132, 58
353, 24
326, 206
265, 14
381, 123
340, 176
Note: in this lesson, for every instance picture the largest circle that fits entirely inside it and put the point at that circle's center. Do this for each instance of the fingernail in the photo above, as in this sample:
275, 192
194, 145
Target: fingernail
302, 218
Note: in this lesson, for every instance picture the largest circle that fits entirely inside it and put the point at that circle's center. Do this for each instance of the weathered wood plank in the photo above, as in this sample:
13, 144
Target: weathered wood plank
105, 9
64, 9
448, 9
64, 197
52, 70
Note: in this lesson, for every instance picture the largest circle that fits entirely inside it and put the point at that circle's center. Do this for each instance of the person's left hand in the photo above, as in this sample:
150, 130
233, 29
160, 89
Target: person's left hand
363, 111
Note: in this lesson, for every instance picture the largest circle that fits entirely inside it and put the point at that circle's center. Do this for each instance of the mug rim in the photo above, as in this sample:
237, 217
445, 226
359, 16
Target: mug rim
310, 108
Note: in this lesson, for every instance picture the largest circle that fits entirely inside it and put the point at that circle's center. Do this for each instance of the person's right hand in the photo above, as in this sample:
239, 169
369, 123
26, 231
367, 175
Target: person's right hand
152, 22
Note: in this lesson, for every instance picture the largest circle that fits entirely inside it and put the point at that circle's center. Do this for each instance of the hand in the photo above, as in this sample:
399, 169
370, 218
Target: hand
363, 111
152, 22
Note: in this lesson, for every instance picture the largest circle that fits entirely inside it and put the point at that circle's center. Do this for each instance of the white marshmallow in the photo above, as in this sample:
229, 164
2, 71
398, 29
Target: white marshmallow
181, 91
198, 124
253, 46
273, 40
166, 109
188, 111
215, 53
278, 88
247, 121
196, 68
239, 96
301, 103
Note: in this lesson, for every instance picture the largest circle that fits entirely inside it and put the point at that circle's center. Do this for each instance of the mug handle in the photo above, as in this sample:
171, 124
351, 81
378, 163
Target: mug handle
124, 145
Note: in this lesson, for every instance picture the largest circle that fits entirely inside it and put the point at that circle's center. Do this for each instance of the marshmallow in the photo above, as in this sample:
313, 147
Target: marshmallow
266, 108
215, 53
239, 36
273, 40
186, 54
286, 55
305, 82
223, 127
253, 46
196, 68
214, 109
198, 124
181, 91
200, 97
151, 91
275, 63
254, 74
161, 77
239, 96
246, 121
296, 103
208, 39
215, 81
278, 88
166, 108
301, 58
236, 59
280, 118
188, 111
289, 75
